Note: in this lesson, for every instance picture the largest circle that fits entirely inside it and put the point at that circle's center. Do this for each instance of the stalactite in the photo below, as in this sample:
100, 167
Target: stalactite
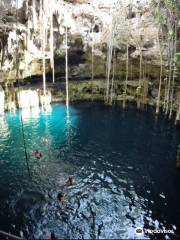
28, 27
34, 14
3, 46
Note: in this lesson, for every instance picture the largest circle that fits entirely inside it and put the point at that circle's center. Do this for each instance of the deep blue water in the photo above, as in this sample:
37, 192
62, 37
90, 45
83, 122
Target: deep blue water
122, 162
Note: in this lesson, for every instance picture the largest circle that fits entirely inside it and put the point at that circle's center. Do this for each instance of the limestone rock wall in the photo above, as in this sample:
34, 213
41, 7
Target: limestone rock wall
89, 22
14, 97
91, 25
28, 98
33, 99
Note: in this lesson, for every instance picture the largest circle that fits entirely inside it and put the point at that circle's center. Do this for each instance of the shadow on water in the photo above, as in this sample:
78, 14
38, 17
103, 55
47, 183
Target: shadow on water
122, 163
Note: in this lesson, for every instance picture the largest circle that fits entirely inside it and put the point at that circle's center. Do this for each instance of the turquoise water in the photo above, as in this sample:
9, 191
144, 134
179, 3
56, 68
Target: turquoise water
122, 163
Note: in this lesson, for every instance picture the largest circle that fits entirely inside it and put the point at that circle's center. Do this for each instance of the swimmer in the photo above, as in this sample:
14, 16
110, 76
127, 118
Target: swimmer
69, 181
52, 237
60, 197
44, 140
38, 154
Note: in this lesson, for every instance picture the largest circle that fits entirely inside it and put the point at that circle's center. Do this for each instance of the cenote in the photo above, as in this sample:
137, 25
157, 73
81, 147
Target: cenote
89, 119
122, 164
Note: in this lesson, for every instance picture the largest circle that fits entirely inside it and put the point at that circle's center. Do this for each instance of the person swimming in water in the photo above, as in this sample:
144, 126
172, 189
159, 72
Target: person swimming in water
52, 236
38, 154
44, 141
60, 197
69, 181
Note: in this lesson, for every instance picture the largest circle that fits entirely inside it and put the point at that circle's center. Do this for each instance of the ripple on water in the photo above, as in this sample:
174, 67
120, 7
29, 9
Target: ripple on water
122, 165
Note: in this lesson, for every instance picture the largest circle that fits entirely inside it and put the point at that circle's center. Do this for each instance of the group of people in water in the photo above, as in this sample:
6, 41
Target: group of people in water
68, 182
60, 196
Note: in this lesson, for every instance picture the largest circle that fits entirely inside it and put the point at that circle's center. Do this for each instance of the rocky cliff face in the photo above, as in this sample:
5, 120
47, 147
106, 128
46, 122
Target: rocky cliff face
93, 26
89, 23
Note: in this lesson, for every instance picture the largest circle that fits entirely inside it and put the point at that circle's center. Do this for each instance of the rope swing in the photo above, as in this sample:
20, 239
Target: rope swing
17, 79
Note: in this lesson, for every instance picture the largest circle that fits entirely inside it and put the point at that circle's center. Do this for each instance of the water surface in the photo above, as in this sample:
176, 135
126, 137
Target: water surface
122, 162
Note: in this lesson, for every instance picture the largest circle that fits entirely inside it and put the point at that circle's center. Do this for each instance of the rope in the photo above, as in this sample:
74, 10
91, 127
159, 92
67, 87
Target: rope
17, 78
25, 149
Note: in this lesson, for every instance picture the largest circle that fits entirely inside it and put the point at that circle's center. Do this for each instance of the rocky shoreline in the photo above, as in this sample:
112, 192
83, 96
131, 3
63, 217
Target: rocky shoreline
15, 97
